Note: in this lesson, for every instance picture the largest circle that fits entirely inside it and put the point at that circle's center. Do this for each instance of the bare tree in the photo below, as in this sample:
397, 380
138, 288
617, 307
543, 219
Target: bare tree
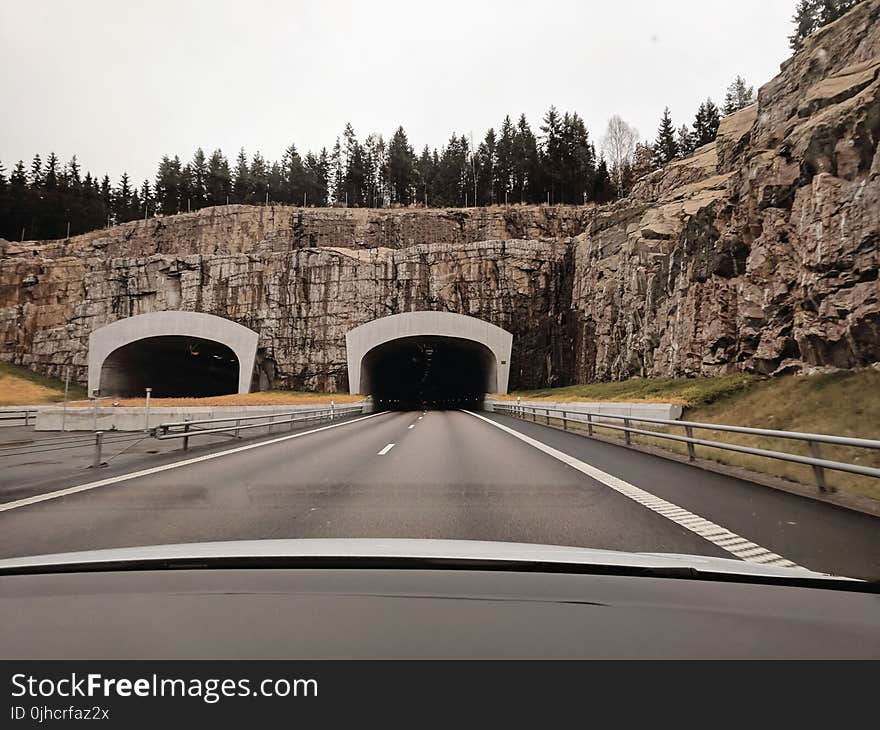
619, 144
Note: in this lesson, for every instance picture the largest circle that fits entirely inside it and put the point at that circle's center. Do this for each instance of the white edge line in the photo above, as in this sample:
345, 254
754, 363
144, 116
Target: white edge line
740, 548
6, 506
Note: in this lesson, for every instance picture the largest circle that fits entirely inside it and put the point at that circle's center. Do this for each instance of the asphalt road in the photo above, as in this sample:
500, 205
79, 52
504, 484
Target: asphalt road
447, 475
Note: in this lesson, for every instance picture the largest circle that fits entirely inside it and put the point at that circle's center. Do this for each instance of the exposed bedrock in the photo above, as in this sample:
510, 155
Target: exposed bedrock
758, 253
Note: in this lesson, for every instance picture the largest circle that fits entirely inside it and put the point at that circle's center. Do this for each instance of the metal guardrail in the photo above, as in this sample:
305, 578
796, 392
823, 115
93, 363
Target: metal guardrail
597, 420
24, 413
188, 429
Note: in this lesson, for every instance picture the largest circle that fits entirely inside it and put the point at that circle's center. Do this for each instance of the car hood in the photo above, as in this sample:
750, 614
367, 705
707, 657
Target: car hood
353, 549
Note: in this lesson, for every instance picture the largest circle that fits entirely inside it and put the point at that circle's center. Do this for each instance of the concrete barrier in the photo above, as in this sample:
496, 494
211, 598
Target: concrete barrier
129, 418
669, 411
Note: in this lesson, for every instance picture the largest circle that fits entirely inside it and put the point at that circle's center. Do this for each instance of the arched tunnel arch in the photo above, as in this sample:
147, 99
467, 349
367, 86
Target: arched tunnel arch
428, 360
175, 353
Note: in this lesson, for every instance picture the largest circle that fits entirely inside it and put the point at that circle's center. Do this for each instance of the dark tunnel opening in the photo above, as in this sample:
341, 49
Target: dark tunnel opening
428, 372
173, 366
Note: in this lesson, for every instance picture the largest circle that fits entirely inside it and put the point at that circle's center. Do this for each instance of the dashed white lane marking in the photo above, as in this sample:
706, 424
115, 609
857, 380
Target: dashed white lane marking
714, 533
385, 450
413, 426
5, 507
420, 418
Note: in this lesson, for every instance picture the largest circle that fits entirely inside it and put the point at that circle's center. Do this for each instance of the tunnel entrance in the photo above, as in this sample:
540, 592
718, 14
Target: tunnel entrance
428, 372
173, 366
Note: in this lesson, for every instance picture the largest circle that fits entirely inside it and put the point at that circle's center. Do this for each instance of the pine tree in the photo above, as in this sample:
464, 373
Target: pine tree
146, 199
706, 123
553, 157
337, 174
199, 191
168, 193
505, 160
579, 165
241, 184
36, 177
107, 197
73, 173
292, 176
356, 173
665, 146
738, 96
218, 183
684, 140
50, 178
425, 167
317, 179
451, 176
259, 180
603, 187
806, 20
122, 201
644, 161
526, 169
401, 169
487, 161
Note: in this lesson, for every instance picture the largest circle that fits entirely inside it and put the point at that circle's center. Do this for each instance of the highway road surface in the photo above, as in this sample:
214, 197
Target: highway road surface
435, 474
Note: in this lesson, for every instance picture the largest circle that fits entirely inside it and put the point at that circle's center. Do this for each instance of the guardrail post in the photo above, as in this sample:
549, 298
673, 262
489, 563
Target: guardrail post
564, 421
332, 409
147, 411
626, 433
590, 424
27, 418
818, 471
99, 442
64, 407
547, 413
186, 438
689, 432
237, 425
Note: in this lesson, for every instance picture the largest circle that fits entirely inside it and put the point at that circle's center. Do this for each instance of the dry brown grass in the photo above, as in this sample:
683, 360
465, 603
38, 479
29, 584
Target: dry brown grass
20, 387
263, 398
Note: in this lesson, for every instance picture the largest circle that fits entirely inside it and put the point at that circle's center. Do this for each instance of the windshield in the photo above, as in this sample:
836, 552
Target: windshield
617, 294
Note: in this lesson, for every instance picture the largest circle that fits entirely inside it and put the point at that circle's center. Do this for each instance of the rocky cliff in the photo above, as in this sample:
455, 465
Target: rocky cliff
757, 253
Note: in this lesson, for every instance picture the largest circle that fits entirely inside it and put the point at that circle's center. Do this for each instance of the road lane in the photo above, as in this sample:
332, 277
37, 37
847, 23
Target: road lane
450, 476
814, 534
447, 475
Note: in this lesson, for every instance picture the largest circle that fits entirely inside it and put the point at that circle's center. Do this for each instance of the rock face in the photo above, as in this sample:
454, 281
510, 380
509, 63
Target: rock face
757, 253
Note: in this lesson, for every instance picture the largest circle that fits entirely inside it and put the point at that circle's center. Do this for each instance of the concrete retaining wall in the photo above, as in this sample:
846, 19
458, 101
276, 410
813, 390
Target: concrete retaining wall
126, 418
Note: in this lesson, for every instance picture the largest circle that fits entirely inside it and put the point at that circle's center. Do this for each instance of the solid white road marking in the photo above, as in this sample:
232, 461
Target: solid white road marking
6, 506
714, 533
385, 450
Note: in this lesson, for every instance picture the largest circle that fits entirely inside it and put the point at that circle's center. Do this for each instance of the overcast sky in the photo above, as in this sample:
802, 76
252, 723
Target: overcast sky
121, 83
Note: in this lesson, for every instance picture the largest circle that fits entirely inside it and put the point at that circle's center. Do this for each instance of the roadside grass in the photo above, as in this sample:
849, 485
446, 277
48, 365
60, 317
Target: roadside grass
683, 391
260, 398
21, 387
842, 404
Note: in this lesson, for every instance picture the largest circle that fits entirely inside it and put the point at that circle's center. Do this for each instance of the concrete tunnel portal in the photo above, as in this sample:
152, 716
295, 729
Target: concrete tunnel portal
177, 354
428, 360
